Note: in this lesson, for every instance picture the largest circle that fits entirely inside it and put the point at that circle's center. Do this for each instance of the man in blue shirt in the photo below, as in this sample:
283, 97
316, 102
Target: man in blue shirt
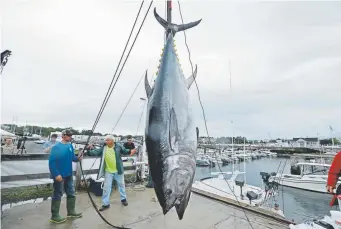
48, 145
60, 164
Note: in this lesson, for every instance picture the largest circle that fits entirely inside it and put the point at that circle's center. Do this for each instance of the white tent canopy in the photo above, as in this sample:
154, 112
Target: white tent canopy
5, 133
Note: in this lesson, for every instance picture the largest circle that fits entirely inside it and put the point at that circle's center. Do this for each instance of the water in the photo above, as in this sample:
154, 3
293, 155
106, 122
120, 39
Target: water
297, 205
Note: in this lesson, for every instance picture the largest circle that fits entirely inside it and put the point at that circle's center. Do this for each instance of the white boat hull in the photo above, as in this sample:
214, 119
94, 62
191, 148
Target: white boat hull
228, 189
309, 183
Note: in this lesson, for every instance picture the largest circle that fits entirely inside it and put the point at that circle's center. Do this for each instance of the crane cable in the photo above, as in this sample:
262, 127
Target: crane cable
106, 98
119, 118
107, 95
204, 116
104, 105
89, 171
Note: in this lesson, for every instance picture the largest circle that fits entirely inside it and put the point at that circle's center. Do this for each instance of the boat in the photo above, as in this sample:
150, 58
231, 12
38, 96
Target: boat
202, 162
333, 221
309, 176
233, 189
239, 191
39, 141
226, 161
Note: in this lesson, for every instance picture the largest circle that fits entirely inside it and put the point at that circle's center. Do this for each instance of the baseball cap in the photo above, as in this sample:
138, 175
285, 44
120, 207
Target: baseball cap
67, 133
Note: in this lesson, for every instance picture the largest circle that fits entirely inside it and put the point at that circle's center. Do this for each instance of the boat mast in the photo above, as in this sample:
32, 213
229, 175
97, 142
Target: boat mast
244, 163
232, 147
331, 135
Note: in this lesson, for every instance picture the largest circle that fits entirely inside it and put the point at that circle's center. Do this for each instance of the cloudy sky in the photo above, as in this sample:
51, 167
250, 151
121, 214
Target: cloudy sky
285, 64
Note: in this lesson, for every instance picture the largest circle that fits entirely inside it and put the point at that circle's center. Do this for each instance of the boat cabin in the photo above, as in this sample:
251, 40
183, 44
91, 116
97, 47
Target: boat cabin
309, 168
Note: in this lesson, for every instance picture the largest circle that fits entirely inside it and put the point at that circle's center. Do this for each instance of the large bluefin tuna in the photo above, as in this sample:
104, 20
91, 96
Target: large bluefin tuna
171, 137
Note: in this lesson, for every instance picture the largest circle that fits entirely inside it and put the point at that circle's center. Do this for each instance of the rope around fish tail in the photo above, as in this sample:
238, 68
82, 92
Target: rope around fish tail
204, 116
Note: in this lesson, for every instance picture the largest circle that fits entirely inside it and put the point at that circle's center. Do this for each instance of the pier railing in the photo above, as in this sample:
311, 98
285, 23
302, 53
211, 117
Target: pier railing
21, 173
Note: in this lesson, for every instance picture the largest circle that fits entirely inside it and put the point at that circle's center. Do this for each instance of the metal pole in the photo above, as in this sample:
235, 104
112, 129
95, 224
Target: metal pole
169, 14
78, 174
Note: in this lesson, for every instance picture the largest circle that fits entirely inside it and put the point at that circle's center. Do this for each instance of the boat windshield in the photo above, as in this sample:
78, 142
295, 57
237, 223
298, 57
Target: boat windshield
315, 170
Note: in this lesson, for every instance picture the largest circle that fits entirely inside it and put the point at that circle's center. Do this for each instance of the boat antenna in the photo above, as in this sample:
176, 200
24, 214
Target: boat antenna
230, 76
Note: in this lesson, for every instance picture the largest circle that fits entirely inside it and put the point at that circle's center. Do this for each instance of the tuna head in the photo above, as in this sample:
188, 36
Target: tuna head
171, 138
177, 185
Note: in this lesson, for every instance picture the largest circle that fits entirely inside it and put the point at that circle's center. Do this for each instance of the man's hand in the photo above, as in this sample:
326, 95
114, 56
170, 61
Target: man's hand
330, 189
90, 146
132, 152
59, 178
80, 157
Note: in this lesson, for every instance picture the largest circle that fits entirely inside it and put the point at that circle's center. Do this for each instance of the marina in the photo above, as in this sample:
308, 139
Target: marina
172, 175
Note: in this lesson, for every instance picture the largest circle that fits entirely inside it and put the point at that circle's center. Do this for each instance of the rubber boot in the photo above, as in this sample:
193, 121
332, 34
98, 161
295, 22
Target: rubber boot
70, 206
56, 218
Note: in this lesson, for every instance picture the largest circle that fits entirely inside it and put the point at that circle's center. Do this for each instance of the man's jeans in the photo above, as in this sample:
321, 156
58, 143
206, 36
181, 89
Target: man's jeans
69, 188
108, 186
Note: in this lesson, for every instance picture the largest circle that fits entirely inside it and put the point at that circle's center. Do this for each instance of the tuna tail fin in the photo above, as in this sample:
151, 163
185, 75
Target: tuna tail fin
191, 79
174, 27
147, 86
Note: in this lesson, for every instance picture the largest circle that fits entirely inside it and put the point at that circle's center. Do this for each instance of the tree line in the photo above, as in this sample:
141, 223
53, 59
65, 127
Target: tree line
46, 131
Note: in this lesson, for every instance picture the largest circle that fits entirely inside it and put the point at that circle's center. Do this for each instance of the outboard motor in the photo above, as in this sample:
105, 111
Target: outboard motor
295, 170
265, 177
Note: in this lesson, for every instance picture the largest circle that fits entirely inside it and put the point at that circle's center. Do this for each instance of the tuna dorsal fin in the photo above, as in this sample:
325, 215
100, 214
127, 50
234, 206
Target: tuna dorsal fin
147, 86
173, 129
191, 79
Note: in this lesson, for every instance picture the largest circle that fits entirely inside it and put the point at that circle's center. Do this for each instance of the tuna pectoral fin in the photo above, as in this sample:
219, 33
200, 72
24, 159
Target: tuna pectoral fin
173, 130
180, 209
147, 86
191, 79
173, 27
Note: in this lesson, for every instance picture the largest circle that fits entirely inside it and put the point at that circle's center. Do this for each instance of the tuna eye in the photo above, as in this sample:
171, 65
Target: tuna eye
168, 192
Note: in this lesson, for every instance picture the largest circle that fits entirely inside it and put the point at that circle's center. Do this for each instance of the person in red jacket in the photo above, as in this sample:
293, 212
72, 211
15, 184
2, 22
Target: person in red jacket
333, 177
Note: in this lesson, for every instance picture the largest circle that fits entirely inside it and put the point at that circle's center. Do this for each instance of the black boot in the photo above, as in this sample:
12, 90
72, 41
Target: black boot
124, 202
